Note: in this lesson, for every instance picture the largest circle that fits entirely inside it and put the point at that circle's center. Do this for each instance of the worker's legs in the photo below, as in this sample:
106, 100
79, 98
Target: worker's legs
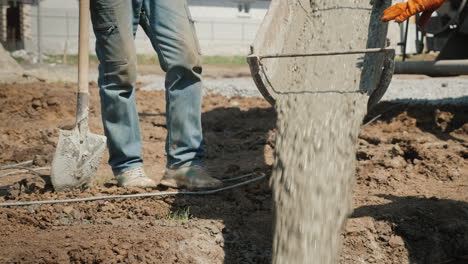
171, 31
115, 49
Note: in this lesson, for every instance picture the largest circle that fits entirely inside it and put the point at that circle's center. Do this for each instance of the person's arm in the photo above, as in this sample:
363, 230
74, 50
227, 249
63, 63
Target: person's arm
402, 11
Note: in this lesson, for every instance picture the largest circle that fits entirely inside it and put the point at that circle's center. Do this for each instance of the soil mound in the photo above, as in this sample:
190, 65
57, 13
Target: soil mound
7, 63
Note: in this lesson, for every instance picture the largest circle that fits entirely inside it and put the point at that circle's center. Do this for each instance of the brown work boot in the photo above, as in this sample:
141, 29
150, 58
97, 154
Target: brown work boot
135, 178
191, 177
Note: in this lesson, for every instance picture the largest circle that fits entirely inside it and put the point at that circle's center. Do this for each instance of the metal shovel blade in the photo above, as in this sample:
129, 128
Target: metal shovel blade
76, 159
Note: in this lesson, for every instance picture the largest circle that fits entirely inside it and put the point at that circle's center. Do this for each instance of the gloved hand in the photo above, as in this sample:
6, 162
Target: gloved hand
402, 11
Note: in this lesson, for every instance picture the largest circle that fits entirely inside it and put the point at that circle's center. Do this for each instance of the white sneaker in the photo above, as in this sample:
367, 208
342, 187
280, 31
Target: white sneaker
135, 178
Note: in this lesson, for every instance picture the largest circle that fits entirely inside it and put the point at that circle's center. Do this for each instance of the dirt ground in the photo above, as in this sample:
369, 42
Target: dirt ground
410, 197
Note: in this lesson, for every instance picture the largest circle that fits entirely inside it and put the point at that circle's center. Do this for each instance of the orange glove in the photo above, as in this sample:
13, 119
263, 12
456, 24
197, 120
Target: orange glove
402, 11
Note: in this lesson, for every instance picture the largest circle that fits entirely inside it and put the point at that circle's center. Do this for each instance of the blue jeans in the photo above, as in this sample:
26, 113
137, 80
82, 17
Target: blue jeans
170, 28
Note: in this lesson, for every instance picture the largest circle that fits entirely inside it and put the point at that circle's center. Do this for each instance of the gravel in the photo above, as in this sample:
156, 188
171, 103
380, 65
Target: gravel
403, 87
430, 90
229, 87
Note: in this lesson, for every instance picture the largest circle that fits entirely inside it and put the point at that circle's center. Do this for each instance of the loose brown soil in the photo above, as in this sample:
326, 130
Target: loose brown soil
410, 200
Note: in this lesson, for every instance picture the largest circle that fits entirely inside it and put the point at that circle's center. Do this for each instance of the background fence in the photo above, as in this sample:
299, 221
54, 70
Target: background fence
58, 34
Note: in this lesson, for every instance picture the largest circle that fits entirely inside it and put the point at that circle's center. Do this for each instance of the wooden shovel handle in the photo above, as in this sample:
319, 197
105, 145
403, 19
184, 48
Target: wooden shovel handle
83, 62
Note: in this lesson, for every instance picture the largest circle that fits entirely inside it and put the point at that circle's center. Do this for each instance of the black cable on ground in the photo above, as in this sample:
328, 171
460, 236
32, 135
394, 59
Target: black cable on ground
140, 195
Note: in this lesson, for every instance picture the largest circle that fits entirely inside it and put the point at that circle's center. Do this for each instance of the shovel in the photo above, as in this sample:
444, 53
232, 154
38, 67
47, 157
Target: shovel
79, 152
